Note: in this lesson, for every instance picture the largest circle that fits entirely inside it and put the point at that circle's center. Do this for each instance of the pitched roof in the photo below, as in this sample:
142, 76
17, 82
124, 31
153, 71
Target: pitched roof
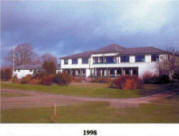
118, 49
142, 50
112, 47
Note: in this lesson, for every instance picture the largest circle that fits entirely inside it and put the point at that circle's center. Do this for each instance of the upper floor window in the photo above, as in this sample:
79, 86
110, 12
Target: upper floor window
155, 57
84, 60
140, 58
125, 58
109, 59
101, 60
66, 61
95, 60
74, 61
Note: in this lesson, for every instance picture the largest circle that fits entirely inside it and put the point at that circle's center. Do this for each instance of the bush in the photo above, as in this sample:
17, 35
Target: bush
49, 67
16, 80
26, 79
35, 81
6, 74
118, 82
63, 78
148, 77
162, 79
39, 75
47, 79
101, 79
126, 82
78, 79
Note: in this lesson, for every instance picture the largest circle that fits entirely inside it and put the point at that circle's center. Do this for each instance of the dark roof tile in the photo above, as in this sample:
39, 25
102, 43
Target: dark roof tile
117, 48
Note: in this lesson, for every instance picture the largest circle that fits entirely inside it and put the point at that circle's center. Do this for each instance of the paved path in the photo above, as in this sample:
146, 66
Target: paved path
42, 99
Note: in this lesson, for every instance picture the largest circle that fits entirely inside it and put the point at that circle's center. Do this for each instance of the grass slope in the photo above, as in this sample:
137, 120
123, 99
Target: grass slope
76, 90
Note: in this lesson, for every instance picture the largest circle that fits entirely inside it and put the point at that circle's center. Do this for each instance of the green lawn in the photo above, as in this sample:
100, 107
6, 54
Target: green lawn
95, 90
98, 112
11, 94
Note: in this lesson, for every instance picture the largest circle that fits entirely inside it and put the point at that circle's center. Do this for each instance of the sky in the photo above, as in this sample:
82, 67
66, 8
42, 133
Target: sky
67, 27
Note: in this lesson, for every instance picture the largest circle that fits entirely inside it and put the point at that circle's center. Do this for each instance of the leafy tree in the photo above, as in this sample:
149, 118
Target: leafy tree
22, 54
49, 67
48, 57
6, 74
169, 64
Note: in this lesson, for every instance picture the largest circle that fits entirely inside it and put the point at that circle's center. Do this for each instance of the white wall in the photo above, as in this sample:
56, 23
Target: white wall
74, 66
88, 73
147, 66
132, 59
22, 73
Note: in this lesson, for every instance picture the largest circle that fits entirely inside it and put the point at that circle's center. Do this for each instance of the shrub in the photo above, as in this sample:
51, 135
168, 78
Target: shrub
63, 78
47, 79
26, 79
35, 81
49, 67
6, 74
148, 77
118, 82
101, 79
16, 80
39, 75
126, 82
162, 79
78, 79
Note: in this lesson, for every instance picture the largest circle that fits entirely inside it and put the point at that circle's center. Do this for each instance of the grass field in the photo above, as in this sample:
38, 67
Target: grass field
90, 90
163, 111
160, 111
7, 94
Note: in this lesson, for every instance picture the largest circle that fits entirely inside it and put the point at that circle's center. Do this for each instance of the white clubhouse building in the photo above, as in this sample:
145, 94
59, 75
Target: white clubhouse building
113, 60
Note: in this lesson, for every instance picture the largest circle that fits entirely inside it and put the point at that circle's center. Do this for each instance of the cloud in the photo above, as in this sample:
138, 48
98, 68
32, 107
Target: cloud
63, 28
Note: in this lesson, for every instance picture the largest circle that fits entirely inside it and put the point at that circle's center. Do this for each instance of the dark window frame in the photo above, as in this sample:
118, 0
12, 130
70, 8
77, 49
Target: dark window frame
138, 59
95, 60
85, 60
75, 61
66, 61
156, 59
110, 60
125, 58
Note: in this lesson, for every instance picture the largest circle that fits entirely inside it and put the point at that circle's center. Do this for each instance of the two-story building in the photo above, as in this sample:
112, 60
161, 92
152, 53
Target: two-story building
113, 60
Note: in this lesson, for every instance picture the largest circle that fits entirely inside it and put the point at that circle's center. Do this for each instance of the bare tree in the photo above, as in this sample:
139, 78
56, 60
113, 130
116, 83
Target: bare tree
169, 63
22, 54
48, 57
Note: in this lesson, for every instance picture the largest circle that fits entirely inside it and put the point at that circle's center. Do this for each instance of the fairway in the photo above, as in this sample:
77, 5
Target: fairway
98, 112
87, 103
87, 90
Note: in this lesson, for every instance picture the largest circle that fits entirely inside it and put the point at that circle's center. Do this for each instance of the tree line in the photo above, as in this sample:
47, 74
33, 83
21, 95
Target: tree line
24, 54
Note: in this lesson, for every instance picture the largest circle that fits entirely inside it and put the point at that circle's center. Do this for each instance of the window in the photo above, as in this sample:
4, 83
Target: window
66, 61
95, 60
127, 71
84, 60
109, 59
140, 58
74, 61
125, 58
101, 60
155, 57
